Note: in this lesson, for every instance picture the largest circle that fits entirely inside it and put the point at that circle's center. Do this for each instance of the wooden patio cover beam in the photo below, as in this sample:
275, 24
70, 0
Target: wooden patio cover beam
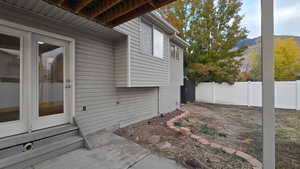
110, 12
122, 9
80, 4
150, 6
131, 15
59, 2
72, 6
78, 7
102, 6
160, 3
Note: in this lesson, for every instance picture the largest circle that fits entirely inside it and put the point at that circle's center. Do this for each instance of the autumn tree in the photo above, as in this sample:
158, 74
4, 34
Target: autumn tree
181, 14
287, 65
286, 59
212, 28
255, 55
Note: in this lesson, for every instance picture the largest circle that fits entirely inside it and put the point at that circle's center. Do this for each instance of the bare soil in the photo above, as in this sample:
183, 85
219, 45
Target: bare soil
184, 150
240, 127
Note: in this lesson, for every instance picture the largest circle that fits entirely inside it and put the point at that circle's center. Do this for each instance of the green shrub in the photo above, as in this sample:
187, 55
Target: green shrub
177, 124
211, 131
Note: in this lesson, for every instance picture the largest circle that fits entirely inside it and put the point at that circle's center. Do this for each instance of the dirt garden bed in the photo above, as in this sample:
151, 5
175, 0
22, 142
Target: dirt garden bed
236, 127
240, 128
154, 135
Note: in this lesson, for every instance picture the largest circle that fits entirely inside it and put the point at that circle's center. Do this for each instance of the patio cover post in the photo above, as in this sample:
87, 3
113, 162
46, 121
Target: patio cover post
267, 31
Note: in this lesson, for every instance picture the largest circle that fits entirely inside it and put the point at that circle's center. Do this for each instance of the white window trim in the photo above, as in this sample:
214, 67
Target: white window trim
153, 42
19, 125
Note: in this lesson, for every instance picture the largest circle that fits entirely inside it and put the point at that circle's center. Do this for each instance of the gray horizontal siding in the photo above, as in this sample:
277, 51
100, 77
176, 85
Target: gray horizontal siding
169, 98
176, 69
121, 63
181, 68
146, 38
95, 83
145, 69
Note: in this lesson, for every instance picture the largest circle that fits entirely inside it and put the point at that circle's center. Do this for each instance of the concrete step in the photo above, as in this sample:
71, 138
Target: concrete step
36, 135
36, 155
17, 149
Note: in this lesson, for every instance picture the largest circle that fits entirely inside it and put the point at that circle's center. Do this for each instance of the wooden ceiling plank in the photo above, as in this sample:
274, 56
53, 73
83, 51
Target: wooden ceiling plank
80, 4
59, 2
111, 12
162, 3
138, 12
103, 6
152, 4
122, 10
131, 15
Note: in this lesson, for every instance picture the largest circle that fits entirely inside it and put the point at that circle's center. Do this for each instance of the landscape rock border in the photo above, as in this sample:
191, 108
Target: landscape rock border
187, 132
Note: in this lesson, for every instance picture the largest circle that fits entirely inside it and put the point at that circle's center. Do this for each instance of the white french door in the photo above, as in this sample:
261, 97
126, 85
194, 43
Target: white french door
51, 82
13, 119
35, 81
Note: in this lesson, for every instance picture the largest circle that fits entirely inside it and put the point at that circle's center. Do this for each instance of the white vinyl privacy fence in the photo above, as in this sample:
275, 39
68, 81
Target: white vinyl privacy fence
287, 94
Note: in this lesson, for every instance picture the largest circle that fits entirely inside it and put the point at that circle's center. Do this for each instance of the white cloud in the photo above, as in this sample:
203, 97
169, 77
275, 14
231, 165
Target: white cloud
252, 19
286, 17
286, 13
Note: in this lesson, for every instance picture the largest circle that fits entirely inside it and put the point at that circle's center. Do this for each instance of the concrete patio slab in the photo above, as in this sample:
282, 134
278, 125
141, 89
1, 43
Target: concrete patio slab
110, 152
156, 162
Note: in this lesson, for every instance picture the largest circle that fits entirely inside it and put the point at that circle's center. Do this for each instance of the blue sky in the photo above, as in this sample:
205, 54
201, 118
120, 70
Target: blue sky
287, 17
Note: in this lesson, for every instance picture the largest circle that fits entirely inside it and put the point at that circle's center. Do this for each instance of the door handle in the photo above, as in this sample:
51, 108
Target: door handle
68, 84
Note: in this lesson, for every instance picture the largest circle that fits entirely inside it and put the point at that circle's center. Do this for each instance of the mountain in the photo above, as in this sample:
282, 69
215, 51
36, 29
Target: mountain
247, 42
256, 43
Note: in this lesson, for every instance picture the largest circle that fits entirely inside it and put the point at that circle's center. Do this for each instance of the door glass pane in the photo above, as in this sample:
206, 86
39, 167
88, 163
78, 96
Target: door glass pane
50, 79
158, 44
9, 78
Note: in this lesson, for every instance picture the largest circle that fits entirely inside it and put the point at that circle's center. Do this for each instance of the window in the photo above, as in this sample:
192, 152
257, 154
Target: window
152, 41
177, 53
173, 51
51, 68
146, 39
158, 43
9, 78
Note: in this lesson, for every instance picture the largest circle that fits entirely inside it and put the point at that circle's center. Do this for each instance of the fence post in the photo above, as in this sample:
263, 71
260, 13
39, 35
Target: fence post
249, 93
297, 94
213, 92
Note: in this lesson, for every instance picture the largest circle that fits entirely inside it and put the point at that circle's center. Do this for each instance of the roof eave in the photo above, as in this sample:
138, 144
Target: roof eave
166, 26
179, 41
